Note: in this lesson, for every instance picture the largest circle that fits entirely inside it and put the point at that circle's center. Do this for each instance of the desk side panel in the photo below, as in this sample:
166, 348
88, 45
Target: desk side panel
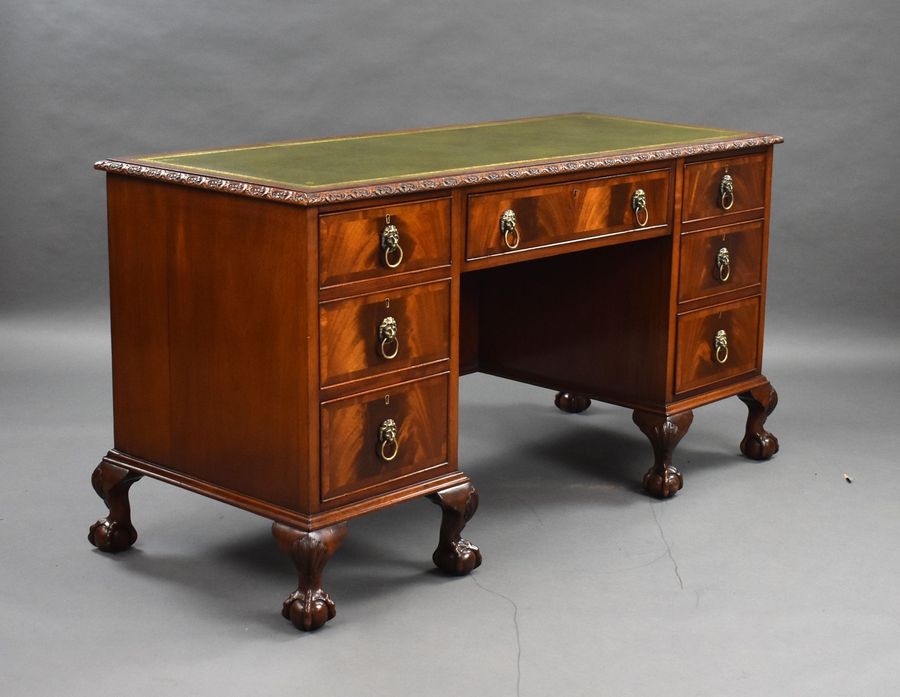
239, 345
139, 317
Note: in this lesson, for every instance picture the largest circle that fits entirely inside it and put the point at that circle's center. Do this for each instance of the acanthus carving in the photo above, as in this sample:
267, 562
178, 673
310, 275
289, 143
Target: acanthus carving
325, 196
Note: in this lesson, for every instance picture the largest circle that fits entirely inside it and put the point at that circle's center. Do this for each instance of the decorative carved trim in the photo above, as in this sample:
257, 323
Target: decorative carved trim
314, 197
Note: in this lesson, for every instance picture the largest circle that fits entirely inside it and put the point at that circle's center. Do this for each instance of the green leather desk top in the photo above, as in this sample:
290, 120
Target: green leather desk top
364, 166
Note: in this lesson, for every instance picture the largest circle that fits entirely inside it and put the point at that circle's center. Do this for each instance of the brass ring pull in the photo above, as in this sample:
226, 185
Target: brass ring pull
721, 345
723, 264
639, 206
509, 228
387, 440
391, 251
387, 335
726, 192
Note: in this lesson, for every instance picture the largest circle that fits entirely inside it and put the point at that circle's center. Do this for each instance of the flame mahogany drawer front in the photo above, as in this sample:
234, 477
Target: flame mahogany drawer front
558, 213
716, 343
720, 260
385, 331
359, 456
354, 246
720, 187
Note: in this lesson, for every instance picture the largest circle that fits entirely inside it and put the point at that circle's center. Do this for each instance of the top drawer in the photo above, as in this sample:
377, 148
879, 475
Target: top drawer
361, 244
518, 219
718, 187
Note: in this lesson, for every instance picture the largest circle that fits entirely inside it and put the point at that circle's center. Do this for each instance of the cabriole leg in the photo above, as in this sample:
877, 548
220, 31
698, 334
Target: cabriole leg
309, 607
758, 443
114, 533
454, 554
663, 479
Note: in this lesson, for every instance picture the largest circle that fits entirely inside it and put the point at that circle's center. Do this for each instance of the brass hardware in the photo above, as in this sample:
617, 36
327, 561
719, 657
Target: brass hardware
387, 440
387, 400
387, 334
726, 192
639, 205
721, 345
723, 264
509, 228
392, 252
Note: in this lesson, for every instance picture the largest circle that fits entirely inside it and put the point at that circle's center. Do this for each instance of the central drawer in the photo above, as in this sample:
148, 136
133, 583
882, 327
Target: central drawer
514, 220
395, 435
383, 332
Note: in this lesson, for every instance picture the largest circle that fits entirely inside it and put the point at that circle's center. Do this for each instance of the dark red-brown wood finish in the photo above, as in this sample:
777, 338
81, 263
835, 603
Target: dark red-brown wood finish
303, 362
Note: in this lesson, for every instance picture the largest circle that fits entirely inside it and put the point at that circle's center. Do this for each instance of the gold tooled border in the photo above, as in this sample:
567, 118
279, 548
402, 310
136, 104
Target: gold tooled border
317, 196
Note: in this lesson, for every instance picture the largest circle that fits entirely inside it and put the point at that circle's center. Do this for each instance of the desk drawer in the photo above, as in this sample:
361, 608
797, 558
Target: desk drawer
709, 193
384, 331
359, 455
717, 343
353, 245
720, 260
559, 213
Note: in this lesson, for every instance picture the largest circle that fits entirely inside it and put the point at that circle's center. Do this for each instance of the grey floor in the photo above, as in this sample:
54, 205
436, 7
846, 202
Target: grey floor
775, 578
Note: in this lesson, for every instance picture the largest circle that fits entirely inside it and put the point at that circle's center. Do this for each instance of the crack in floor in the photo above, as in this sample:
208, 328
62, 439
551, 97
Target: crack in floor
662, 536
515, 624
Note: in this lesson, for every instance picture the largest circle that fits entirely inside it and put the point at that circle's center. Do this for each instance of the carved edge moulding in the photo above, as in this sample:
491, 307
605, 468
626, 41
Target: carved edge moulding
323, 195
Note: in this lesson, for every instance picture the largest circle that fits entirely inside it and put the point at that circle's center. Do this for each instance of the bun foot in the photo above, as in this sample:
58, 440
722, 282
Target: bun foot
455, 555
664, 433
758, 443
309, 607
571, 402
115, 533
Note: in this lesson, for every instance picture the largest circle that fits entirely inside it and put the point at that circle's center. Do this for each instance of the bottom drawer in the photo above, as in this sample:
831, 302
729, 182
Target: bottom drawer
395, 435
717, 343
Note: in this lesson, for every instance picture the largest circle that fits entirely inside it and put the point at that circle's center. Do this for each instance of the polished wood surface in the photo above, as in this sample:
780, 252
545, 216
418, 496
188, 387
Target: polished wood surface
350, 242
700, 273
351, 466
696, 363
564, 212
702, 181
350, 345
253, 359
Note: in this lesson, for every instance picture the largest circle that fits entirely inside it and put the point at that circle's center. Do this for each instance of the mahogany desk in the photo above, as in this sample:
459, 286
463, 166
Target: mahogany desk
290, 321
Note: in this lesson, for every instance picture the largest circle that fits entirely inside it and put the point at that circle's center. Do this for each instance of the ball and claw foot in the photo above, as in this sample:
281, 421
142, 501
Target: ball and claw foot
455, 555
571, 402
664, 432
115, 533
758, 443
662, 484
309, 607
308, 610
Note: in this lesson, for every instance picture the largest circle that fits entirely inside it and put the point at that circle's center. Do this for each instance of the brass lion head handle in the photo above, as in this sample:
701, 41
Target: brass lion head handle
389, 345
639, 206
721, 346
509, 228
391, 251
723, 264
387, 440
726, 192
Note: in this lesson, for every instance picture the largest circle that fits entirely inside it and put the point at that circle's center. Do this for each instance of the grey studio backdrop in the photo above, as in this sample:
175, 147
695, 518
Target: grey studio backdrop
587, 586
